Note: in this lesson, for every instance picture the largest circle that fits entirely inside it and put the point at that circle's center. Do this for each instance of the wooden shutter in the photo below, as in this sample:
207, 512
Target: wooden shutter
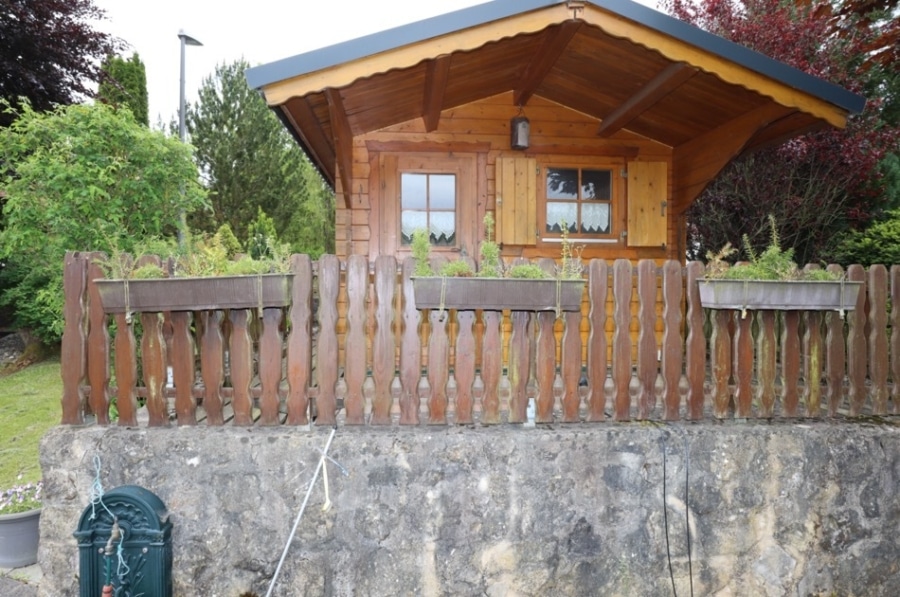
647, 188
516, 214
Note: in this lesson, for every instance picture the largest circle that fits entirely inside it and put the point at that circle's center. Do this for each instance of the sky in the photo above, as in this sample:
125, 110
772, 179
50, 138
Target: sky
260, 31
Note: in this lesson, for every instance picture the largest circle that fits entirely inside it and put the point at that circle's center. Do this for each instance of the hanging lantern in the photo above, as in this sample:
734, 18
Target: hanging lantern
519, 131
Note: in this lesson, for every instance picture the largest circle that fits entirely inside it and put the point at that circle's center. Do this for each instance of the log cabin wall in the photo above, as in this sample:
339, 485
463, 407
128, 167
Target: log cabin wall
477, 135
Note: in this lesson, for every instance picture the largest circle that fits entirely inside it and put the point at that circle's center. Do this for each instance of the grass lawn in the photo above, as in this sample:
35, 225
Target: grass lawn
29, 406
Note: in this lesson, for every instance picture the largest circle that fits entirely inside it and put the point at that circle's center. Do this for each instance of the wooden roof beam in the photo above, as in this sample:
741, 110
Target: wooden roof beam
701, 159
437, 73
656, 89
553, 45
343, 141
305, 125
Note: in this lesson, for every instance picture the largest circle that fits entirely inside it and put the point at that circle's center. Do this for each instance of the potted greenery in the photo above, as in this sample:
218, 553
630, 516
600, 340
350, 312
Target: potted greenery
772, 280
208, 276
524, 287
20, 513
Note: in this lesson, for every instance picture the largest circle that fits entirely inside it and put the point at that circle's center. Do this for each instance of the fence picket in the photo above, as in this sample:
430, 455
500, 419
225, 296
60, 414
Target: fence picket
212, 366
98, 344
743, 365
491, 366
720, 353
383, 341
766, 355
355, 368
878, 340
327, 349
646, 344
438, 367
895, 337
182, 359
621, 357
410, 350
597, 366
73, 349
814, 351
299, 342
241, 364
464, 369
672, 341
790, 363
695, 351
856, 344
270, 342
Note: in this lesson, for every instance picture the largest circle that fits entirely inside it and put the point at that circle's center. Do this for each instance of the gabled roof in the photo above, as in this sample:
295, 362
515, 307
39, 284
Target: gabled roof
627, 65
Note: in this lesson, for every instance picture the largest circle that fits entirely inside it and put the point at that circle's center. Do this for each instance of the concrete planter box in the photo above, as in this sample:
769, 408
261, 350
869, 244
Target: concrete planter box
497, 294
19, 538
806, 295
195, 294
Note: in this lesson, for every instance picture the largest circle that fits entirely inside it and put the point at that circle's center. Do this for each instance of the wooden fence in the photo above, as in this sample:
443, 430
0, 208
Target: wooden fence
352, 349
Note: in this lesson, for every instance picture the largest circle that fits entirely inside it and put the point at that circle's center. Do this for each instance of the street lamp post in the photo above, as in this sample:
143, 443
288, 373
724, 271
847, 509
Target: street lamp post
186, 40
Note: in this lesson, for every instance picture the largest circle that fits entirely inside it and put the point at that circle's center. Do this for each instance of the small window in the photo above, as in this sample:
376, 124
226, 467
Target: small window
428, 200
580, 197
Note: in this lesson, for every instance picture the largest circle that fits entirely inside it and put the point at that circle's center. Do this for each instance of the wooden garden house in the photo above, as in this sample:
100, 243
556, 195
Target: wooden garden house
605, 114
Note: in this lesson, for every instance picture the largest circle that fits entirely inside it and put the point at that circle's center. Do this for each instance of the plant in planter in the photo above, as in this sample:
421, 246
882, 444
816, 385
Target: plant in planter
206, 276
772, 280
524, 287
20, 511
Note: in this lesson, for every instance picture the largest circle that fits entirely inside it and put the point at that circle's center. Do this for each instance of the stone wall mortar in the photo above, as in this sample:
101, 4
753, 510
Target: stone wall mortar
777, 509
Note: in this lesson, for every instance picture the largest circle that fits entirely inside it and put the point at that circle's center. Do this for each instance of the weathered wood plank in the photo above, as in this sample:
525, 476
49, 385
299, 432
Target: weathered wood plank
895, 337
520, 366
183, 368
438, 367
790, 363
672, 340
327, 349
383, 342
856, 344
695, 351
153, 361
766, 358
835, 355
410, 350
647, 366
464, 369
212, 366
355, 369
743, 365
299, 342
598, 287
98, 344
878, 340
241, 362
73, 350
545, 373
571, 367
126, 371
720, 353
491, 364
621, 344
814, 352
270, 343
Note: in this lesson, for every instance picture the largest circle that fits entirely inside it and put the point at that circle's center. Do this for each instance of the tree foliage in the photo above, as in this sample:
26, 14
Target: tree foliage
125, 84
85, 178
250, 162
50, 52
819, 184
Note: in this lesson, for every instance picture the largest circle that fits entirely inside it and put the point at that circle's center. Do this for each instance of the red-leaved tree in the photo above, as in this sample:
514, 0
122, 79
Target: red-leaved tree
816, 185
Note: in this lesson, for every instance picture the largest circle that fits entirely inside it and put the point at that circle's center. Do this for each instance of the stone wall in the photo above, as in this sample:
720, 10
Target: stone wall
577, 510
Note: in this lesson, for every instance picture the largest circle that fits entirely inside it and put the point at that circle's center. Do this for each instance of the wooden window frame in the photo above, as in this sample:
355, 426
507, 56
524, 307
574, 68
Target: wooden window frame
618, 224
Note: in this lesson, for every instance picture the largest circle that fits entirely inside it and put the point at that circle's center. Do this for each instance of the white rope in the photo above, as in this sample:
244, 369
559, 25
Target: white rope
300, 514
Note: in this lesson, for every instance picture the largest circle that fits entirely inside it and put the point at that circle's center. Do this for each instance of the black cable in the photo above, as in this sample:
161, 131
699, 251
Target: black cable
666, 520
687, 511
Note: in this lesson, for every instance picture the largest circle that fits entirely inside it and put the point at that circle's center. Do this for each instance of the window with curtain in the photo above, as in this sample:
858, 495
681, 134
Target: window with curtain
428, 201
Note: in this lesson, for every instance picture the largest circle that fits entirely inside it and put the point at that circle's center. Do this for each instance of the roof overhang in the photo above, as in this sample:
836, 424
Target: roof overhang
626, 65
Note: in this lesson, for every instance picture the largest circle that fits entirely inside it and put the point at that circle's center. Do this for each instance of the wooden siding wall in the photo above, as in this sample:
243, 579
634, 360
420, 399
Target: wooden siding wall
405, 366
483, 127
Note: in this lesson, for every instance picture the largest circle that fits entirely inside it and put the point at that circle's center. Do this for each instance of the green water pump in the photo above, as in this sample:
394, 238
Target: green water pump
125, 545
